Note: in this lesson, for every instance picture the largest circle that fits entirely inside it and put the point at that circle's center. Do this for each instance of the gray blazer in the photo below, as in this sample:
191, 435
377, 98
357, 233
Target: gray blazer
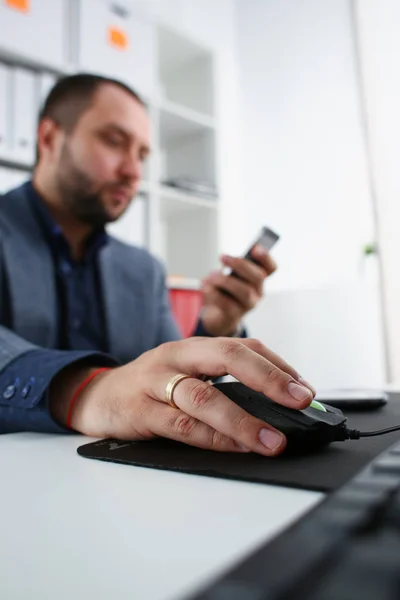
137, 311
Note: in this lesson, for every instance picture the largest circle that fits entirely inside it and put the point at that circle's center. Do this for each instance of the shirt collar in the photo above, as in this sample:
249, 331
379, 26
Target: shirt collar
52, 230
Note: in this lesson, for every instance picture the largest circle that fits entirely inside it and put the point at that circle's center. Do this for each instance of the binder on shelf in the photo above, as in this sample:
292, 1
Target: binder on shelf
5, 107
23, 116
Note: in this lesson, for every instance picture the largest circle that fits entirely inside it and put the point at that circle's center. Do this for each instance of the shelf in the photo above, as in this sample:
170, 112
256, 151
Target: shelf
187, 145
177, 123
10, 163
188, 229
176, 51
187, 114
176, 282
173, 201
144, 188
23, 60
133, 226
185, 71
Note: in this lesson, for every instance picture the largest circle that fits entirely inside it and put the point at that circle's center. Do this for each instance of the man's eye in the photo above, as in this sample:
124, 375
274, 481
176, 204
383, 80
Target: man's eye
113, 140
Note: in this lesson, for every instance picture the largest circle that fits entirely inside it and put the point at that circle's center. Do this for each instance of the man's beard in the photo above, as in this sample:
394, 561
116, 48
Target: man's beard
79, 194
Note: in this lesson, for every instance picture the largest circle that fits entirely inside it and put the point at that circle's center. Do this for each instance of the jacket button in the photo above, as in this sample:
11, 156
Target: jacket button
26, 390
9, 392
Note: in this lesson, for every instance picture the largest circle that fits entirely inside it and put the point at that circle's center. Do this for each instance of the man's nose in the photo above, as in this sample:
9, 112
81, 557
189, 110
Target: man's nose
132, 167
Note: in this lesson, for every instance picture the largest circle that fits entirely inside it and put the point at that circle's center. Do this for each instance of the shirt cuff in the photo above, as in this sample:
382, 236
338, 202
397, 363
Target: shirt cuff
24, 385
202, 332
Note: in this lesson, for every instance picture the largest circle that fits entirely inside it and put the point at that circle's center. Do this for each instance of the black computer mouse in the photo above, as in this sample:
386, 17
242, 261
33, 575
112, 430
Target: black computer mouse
306, 430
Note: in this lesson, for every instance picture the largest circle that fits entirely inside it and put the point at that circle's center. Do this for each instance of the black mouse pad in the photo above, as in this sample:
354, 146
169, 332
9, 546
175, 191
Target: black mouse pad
325, 470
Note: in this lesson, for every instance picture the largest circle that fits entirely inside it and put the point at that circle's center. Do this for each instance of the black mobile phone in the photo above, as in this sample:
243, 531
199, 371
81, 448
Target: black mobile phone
267, 239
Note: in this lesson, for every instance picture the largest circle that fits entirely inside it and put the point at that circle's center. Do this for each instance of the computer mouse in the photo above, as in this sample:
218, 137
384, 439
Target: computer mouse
306, 430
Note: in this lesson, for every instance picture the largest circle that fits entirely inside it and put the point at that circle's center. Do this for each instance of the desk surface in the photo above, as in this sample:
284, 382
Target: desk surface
72, 528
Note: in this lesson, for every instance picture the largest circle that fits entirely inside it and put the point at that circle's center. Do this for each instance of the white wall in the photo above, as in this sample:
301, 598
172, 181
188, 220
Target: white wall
325, 333
303, 150
306, 174
378, 24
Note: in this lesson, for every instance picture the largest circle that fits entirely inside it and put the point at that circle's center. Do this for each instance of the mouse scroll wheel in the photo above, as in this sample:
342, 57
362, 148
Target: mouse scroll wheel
318, 406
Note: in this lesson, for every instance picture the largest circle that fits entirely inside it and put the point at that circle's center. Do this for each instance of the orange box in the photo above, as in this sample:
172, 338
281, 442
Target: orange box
21, 5
186, 303
117, 38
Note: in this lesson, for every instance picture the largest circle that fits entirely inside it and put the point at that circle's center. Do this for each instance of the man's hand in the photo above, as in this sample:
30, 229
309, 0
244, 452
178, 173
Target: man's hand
222, 313
129, 402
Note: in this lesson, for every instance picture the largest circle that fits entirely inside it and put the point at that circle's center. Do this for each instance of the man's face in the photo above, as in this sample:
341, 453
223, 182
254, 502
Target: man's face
100, 162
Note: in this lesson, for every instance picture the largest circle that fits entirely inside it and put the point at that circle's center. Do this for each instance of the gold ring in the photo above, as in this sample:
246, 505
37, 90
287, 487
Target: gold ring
171, 385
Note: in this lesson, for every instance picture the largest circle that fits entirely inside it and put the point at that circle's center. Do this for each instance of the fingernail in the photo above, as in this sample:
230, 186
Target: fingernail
260, 251
305, 382
299, 392
226, 257
212, 276
270, 439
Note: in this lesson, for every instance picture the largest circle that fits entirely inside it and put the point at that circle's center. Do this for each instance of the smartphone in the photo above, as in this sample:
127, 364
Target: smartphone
267, 239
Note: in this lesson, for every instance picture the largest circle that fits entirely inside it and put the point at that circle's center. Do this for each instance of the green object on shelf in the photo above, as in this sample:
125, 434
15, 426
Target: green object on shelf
370, 249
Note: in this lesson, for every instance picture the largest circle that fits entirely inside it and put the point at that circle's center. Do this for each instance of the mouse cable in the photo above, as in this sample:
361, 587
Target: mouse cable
354, 434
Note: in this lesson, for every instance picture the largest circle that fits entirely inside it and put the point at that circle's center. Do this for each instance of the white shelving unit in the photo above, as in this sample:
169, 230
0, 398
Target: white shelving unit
175, 76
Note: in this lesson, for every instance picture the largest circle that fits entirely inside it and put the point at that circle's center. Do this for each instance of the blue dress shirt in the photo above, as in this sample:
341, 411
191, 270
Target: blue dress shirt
81, 322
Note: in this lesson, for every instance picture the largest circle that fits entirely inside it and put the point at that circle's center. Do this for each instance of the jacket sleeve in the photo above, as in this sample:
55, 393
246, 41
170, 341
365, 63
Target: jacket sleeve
26, 372
201, 331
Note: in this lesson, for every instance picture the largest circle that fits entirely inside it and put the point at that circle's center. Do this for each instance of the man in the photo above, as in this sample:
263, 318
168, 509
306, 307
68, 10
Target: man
72, 296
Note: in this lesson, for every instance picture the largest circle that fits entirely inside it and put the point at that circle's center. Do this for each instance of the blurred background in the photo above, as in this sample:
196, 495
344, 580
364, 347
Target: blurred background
282, 113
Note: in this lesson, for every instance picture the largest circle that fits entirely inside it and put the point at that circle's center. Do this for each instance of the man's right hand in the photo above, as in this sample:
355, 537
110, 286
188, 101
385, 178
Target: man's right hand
129, 402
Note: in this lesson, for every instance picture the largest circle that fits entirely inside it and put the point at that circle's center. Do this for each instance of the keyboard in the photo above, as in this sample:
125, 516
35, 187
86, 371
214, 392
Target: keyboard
346, 548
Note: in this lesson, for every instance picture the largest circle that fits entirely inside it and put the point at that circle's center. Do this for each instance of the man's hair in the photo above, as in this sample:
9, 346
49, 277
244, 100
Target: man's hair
72, 95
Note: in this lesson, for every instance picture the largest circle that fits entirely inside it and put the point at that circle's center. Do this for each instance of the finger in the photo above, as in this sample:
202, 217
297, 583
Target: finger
219, 356
210, 275
174, 424
263, 257
274, 358
247, 270
207, 404
270, 355
202, 404
242, 292
229, 305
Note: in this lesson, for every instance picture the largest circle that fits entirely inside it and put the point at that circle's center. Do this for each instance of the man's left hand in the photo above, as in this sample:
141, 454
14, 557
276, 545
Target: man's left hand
222, 313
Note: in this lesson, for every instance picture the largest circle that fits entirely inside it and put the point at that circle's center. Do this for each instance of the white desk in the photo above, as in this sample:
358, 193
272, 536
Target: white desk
79, 529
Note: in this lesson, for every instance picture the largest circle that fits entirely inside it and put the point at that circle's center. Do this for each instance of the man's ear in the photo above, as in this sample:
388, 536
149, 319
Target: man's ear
49, 136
